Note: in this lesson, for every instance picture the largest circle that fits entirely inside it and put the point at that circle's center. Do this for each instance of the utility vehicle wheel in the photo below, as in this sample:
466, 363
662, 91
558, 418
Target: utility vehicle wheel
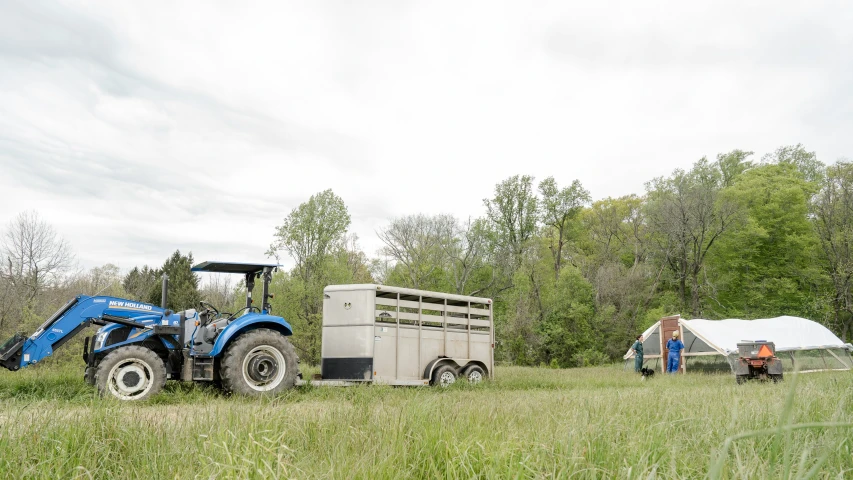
130, 373
475, 374
776, 377
444, 376
258, 362
741, 378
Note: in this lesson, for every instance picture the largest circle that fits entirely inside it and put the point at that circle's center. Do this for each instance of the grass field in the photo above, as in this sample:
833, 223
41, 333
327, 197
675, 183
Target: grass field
528, 423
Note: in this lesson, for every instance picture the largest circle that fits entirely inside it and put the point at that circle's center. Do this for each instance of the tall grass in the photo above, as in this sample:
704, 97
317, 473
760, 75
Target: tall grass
528, 423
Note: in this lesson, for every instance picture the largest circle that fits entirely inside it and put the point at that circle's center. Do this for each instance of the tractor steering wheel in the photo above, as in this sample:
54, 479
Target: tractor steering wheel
208, 306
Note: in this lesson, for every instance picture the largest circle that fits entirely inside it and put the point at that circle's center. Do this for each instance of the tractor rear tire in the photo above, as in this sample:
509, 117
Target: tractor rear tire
259, 362
131, 373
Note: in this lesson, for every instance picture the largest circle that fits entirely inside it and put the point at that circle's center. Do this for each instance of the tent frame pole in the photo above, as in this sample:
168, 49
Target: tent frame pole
838, 358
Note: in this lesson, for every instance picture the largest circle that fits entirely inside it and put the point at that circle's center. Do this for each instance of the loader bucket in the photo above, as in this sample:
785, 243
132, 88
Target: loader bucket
10, 352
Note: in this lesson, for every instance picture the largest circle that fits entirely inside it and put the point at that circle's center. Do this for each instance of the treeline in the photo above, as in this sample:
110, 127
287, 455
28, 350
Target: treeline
573, 280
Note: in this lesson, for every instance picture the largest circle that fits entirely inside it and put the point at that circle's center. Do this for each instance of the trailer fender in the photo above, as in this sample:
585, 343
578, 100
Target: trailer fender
479, 364
431, 366
244, 324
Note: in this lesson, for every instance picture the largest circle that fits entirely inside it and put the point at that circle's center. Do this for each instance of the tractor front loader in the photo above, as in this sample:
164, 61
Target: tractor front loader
139, 346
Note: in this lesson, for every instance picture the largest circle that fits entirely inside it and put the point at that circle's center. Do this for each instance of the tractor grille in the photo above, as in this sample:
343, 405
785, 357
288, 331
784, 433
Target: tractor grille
117, 336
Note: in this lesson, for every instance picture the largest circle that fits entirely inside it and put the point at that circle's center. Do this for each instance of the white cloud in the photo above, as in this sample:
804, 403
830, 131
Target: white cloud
141, 128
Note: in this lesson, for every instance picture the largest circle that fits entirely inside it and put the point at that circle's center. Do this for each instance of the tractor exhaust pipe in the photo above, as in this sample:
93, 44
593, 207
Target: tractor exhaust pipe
164, 295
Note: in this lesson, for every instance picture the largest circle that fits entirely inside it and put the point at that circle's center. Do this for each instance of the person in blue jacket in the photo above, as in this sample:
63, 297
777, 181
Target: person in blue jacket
675, 346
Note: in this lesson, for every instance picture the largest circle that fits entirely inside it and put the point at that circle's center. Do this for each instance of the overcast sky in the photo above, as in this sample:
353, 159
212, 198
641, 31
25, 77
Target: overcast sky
138, 128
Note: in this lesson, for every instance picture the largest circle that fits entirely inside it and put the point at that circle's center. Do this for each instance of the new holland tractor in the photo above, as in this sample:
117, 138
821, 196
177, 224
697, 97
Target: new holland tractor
139, 346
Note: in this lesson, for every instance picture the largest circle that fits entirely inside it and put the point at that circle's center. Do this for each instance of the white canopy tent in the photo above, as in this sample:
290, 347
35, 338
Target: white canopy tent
807, 342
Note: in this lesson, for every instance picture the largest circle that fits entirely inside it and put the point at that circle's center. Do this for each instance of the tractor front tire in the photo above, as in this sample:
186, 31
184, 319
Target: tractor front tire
130, 373
259, 362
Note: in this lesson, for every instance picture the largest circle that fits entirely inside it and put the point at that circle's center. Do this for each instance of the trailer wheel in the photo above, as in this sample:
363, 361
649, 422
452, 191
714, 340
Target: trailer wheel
444, 376
474, 373
130, 373
258, 362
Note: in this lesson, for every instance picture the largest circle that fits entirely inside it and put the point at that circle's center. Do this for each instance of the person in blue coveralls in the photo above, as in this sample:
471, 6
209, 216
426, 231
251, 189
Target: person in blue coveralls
675, 346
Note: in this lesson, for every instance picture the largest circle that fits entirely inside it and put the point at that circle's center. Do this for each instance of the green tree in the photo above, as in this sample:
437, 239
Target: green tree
833, 221
616, 231
513, 214
687, 216
733, 164
522, 307
139, 283
765, 266
804, 161
311, 232
567, 329
559, 207
617, 264
183, 283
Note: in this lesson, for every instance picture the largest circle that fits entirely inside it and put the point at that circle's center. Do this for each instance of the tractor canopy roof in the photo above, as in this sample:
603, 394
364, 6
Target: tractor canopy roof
232, 267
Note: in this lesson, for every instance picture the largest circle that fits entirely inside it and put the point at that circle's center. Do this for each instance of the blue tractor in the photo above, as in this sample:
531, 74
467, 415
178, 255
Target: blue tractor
139, 346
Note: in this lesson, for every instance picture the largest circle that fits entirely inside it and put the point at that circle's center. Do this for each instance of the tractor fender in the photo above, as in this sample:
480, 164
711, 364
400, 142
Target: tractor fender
246, 323
458, 363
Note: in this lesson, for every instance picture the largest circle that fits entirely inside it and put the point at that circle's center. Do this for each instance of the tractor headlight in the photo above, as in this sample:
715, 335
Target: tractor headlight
100, 338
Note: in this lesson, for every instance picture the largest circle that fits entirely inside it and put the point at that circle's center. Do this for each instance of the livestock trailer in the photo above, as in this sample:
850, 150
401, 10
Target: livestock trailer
400, 336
